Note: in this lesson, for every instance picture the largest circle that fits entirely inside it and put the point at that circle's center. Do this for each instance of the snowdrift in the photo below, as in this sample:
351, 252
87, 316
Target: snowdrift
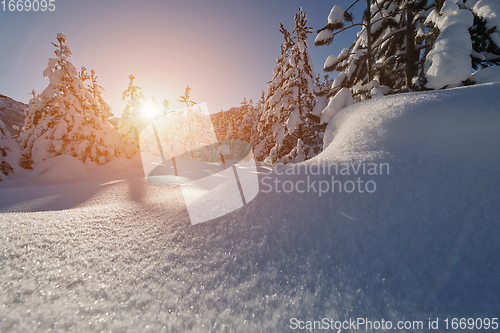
60, 169
122, 255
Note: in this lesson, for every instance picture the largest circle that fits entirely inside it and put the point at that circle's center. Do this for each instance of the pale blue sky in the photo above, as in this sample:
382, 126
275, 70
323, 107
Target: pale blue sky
225, 49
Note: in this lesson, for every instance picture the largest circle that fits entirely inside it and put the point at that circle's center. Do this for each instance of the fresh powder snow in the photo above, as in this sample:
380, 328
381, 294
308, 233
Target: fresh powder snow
113, 253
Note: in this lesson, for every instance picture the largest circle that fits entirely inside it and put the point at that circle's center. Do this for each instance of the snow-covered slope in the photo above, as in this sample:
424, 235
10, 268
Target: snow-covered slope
112, 253
11, 112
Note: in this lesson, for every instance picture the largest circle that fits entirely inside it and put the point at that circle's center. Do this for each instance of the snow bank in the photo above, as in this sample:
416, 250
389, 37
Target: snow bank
116, 165
429, 123
486, 75
60, 169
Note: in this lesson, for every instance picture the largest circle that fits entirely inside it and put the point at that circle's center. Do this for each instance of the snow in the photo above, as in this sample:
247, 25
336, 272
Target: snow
62, 37
486, 75
449, 63
293, 120
376, 90
117, 165
488, 10
60, 169
342, 99
339, 79
113, 253
320, 102
344, 53
379, 91
336, 15
280, 136
330, 63
324, 37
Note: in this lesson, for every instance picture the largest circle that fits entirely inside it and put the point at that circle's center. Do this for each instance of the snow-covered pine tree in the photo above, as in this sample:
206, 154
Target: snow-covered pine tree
10, 153
300, 133
132, 120
274, 100
290, 96
386, 55
66, 119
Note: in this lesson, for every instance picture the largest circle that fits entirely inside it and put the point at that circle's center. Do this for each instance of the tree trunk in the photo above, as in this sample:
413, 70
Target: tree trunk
411, 67
369, 43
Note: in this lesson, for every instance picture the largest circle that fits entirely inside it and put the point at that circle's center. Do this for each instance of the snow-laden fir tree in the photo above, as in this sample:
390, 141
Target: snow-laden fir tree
132, 120
10, 153
66, 118
300, 134
469, 38
386, 54
287, 135
269, 125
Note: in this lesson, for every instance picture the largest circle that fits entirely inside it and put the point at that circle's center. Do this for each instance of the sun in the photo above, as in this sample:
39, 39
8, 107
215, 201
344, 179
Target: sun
150, 110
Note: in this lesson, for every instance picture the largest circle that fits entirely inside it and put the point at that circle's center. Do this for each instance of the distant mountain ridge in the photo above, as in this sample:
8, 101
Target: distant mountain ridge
11, 112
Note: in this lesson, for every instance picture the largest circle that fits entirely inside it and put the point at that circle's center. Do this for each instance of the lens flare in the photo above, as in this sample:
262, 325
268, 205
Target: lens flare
150, 111
344, 214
